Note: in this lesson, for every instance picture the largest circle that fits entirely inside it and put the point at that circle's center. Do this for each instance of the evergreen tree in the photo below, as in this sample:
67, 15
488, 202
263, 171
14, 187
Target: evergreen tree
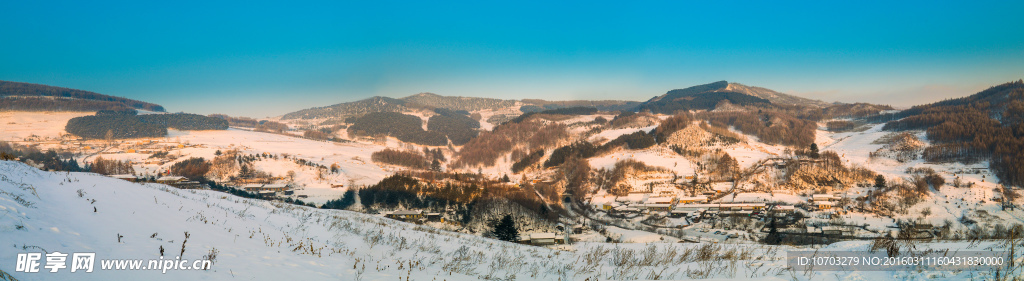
773, 233
436, 165
506, 229
814, 151
879, 181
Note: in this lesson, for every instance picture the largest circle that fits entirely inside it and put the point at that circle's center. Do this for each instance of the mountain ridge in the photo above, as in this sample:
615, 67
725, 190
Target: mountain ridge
34, 97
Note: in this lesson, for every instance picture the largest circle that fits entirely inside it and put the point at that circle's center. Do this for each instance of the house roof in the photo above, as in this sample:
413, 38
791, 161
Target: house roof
124, 176
543, 235
171, 178
406, 212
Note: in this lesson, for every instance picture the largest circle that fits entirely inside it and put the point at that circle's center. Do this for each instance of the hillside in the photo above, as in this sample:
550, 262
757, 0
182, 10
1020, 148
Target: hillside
36, 97
700, 97
988, 125
534, 105
264, 240
709, 96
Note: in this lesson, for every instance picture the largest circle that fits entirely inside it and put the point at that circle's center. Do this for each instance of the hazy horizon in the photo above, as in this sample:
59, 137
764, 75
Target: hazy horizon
263, 60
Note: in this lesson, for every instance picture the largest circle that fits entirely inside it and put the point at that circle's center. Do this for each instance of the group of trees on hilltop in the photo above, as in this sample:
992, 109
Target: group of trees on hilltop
405, 191
632, 119
124, 124
411, 159
840, 125
194, 168
635, 140
485, 149
457, 127
406, 128
530, 112
671, 125
113, 126
43, 97
580, 149
769, 126
348, 109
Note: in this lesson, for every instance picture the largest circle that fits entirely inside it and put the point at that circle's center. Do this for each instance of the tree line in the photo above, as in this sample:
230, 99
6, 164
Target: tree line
411, 159
769, 126
125, 125
50, 159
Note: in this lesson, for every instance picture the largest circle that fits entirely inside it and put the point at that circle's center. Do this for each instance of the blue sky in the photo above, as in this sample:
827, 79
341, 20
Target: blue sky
263, 59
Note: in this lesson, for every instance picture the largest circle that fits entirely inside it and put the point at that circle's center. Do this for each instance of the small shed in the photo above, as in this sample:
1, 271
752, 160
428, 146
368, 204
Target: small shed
545, 238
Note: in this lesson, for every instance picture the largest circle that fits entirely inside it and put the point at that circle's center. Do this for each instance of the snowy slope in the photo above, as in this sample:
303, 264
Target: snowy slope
260, 240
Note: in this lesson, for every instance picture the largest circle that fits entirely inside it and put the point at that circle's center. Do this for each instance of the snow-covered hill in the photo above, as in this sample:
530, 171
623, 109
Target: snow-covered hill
261, 240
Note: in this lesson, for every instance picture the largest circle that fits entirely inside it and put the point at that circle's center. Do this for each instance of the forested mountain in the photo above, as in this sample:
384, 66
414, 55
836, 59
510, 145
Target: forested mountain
407, 128
356, 108
458, 103
986, 125
706, 97
430, 101
535, 105
36, 97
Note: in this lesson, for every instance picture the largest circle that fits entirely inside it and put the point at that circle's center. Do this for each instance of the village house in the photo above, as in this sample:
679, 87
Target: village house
259, 187
434, 217
693, 199
824, 205
405, 215
658, 207
131, 178
823, 197
171, 179
725, 208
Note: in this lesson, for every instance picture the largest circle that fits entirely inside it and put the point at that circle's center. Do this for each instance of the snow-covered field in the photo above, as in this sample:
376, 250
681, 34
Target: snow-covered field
18, 125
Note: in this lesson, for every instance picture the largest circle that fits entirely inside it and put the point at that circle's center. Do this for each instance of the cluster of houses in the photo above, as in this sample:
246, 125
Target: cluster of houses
269, 189
824, 201
700, 204
414, 216
542, 239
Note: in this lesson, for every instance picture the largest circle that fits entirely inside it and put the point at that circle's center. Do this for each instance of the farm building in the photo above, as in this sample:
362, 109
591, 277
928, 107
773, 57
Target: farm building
405, 215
